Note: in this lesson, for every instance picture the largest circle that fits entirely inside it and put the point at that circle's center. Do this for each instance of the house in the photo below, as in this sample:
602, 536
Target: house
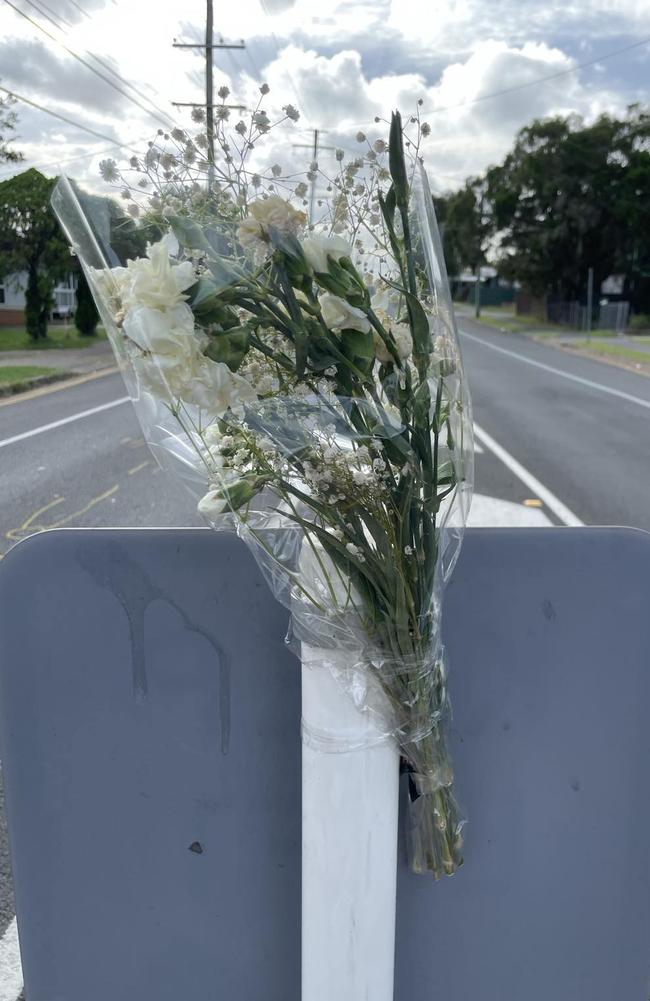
12, 299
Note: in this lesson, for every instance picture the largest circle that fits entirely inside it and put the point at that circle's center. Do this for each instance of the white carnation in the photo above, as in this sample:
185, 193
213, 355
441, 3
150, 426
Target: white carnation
272, 211
403, 342
318, 248
340, 315
169, 362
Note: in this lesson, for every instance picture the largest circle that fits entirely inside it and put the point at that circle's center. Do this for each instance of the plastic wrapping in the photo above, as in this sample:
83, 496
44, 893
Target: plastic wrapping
306, 386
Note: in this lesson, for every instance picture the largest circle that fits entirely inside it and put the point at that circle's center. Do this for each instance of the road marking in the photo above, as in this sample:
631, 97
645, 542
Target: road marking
15, 534
558, 371
30, 527
64, 420
136, 469
11, 973
553, 503
494, 512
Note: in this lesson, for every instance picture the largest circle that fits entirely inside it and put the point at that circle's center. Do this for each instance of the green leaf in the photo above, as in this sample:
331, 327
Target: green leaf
357, 344
396, 162
419, 325
229, 347
189, 233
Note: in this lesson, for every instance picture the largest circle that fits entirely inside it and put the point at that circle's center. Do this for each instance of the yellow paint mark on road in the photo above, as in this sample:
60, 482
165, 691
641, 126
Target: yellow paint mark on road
28, 525
136, 469
31, 526
125, 441
533, 502
91, 504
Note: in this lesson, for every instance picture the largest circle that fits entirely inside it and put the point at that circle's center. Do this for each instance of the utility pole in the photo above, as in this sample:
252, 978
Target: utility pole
477, 292
209, 46
590, 300
314, 146
209, 89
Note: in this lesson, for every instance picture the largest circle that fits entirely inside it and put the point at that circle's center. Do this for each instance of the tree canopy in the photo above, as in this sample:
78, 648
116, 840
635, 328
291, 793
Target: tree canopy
31, 241
568, 197
8, 119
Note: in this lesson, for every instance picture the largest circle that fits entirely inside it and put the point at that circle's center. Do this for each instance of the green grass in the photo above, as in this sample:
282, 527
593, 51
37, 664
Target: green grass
17, 339
15, 377
615, 350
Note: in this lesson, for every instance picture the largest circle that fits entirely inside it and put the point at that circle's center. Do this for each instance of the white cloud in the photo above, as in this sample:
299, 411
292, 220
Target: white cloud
342, 62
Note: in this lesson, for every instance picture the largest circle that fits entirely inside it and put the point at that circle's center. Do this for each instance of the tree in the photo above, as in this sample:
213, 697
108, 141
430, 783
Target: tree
8, 119
86, 316
466, 229
571, 197
31, 241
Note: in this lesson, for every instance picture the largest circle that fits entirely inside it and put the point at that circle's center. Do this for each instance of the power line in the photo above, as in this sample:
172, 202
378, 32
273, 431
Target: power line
81, 60
94, 55
80, 8
542, 79
68, 121
71, 159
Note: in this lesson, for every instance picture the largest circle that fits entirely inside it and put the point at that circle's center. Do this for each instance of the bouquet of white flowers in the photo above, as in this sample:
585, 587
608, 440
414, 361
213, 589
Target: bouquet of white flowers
302, 375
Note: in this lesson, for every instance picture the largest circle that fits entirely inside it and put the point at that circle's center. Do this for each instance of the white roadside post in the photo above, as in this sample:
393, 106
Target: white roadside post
350, 780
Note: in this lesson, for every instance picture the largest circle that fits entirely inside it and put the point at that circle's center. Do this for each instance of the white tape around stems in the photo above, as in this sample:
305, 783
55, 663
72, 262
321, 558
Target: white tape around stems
349, 841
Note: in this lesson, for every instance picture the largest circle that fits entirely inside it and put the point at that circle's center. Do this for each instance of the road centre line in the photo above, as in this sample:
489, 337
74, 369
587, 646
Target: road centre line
553, 503
64, 420
558, 371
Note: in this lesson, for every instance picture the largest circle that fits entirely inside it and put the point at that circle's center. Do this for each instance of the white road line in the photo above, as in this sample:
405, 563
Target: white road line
558, 371
64, 420
11, 973
553, 503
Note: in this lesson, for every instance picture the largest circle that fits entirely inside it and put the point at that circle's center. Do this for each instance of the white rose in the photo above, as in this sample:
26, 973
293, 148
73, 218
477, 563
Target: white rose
340, 315
272, 211
403, 342
318, 248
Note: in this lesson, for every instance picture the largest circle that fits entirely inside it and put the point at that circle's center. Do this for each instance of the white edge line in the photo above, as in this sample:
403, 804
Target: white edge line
553, 503
58, 424
558, 371
11, 973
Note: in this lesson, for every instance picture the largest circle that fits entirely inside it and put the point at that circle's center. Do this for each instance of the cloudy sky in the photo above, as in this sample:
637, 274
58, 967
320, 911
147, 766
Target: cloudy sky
482, 69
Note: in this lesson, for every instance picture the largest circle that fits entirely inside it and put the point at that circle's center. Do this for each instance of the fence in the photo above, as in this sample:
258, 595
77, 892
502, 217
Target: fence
607, 316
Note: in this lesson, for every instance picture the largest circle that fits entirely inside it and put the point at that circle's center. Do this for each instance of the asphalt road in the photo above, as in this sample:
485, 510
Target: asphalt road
581, 426
565, 435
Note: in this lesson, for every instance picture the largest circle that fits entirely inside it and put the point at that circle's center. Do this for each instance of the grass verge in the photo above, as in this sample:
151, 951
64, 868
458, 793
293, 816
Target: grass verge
16, 378
613, 351
17, 339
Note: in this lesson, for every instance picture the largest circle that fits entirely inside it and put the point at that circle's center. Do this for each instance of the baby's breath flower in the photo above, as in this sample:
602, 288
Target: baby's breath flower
264, 89
133, 210
261, 121
361, 137
179, 135
276, 169
108, 170
379, 146
301, 189
223, 92
198, 115
291, 112
241, 128
134, 162
426, 129
339, 154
